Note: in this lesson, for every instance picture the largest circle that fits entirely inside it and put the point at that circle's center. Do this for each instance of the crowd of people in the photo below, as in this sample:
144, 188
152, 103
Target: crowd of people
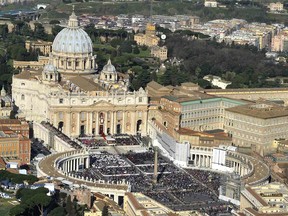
125, 139
175, 188
144, 158
162, 168
121, 171
211, 179
107, 160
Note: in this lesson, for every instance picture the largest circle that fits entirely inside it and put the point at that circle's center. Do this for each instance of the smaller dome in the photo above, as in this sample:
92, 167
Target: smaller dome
109, 68
49, 68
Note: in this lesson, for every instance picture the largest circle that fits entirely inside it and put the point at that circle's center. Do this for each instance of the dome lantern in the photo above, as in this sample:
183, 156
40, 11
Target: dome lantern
73, 20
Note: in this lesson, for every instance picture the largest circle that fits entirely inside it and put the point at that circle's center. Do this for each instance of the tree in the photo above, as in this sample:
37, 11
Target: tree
4, 31
105, 211
59, 211
53, 22
126, 47
69, 205
39, 32
17, 210
136, 50
40, 200
56, 29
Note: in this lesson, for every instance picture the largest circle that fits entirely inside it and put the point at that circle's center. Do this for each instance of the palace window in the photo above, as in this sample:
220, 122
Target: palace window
22, 97
61, 100
140, 99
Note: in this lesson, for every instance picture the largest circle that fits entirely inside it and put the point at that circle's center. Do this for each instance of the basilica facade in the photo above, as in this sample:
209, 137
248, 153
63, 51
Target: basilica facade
73, 96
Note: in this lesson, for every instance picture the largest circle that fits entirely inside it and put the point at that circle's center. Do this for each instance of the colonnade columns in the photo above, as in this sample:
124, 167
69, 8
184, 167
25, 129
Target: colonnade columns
123, 123
67, 127
133, 122
198, 160
105, 122
78, 123
97, 123
87, 126
64, 166
90, 122
202, 160
68, 165
115, 122
87, 162
112, 123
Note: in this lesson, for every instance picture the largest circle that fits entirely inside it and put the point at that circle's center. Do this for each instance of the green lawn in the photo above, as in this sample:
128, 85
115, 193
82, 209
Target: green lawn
5, 206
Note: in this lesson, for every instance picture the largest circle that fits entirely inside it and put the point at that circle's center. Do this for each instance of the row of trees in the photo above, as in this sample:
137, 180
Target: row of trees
244, 66
13, 46
37, 202
17, 178
32, 202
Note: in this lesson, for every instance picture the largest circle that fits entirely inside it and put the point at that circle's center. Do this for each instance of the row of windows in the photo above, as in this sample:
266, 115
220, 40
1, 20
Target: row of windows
202, 113
201, 106
9, 144
201, 121
9, 153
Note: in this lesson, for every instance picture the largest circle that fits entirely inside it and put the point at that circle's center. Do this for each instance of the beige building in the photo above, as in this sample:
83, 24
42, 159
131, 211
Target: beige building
264, 200
42, 60
99, 204
45, 47
210, 3
280, 42
278, 6
137, 204
257, 125
159, 52
73, 97
185, 107
149, 38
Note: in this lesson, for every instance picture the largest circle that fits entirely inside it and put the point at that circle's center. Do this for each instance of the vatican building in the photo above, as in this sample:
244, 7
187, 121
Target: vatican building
76, 96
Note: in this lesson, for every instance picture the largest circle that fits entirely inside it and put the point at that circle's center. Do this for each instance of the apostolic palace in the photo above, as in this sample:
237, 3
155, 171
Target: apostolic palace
72, 95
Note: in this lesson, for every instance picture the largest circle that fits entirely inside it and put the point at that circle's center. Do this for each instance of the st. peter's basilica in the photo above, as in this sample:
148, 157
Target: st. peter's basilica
71, 94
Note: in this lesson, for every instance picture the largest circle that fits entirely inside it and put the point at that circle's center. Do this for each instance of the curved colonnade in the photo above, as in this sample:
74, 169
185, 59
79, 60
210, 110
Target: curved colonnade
60, 164
251, 170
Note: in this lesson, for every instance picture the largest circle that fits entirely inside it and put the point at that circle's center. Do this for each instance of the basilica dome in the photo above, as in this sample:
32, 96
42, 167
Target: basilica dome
72, 39
72, 50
